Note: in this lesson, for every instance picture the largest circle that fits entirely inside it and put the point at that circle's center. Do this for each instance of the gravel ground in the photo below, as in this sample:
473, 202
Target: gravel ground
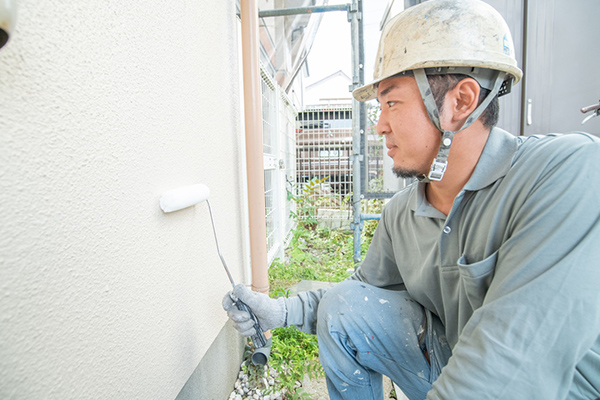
315, 388
243, 390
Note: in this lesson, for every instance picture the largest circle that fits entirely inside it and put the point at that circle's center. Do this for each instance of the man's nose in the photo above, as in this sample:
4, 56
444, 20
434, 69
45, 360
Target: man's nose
382, 124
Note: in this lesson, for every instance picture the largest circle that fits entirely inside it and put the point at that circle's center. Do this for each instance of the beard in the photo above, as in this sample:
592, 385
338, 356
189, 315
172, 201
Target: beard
406, 173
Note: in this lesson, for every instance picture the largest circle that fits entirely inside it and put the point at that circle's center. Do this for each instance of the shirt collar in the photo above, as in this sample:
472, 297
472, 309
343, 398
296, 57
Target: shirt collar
421, 207
495, 160
494, 163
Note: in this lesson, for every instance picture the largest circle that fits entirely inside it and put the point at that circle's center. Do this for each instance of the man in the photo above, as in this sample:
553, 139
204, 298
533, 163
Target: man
496, 248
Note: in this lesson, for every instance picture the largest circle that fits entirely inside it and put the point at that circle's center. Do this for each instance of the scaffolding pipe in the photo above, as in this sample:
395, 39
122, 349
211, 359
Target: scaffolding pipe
302, 10
357, 156
254, 146
369, 217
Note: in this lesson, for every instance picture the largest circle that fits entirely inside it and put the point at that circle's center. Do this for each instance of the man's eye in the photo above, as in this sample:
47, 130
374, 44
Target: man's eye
390, 103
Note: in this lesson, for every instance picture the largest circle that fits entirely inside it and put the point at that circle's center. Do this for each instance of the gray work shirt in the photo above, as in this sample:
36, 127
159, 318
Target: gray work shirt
513, 271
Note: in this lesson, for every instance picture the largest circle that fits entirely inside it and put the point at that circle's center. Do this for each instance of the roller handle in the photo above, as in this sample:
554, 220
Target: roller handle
258, 339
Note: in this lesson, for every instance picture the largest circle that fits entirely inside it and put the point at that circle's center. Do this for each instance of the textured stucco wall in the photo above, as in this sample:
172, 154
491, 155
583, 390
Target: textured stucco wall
105, 105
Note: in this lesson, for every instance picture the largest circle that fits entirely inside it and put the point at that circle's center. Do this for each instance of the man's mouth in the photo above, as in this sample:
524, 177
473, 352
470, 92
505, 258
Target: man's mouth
391, 149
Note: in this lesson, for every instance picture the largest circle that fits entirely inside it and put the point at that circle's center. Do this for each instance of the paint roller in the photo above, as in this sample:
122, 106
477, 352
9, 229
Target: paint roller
187, 196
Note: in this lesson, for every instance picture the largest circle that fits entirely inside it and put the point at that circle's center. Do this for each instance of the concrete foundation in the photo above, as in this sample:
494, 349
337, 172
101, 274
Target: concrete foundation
215, 375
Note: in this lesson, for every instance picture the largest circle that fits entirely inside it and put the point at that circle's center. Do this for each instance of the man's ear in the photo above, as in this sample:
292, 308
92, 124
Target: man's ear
464, 99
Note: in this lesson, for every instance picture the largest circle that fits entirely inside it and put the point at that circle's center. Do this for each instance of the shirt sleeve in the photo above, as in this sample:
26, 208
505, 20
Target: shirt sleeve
541, 314
378, 269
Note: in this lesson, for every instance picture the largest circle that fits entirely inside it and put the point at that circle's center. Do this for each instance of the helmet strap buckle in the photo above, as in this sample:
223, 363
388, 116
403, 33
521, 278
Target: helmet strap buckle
437, 170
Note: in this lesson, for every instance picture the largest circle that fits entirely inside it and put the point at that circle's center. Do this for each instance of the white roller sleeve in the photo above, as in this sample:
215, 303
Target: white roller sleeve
182, 197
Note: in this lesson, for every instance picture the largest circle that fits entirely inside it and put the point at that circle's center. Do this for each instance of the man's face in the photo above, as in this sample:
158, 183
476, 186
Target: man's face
410, 136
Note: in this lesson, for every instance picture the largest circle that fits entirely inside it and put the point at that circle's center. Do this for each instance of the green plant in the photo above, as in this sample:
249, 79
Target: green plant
307, 202
370, 206
295, 355
313, 254
321, 254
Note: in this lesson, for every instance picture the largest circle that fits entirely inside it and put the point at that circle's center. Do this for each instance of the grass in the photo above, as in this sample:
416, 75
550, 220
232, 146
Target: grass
314, 253
318, 254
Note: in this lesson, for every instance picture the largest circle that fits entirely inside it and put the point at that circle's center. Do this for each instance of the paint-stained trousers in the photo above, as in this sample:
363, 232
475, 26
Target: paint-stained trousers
365, 331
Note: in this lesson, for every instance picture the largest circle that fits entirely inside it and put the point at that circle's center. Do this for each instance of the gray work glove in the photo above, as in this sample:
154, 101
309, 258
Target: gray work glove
271, 313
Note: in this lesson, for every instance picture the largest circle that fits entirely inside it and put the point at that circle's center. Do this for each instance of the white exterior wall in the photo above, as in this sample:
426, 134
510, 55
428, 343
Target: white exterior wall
104, 106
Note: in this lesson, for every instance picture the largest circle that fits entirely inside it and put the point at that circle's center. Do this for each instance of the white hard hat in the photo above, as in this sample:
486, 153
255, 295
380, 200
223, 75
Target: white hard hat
444, 33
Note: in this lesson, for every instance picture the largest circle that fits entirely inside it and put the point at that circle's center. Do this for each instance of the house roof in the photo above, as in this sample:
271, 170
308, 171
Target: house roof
327, 78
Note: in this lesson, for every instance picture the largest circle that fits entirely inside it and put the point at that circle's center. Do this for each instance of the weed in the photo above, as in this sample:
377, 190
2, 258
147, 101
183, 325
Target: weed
307, 202
320, 254
294, 355
314, 253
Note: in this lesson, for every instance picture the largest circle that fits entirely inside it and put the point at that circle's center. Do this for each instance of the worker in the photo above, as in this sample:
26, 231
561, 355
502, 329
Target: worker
483, 277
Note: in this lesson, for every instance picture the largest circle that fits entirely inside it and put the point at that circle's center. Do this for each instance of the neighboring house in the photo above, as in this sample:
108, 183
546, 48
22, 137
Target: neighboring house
324, 142
103, 108
324, 136
324, 148
333, 89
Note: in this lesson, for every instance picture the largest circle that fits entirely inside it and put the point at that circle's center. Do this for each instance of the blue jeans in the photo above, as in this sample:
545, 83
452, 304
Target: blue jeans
365, 331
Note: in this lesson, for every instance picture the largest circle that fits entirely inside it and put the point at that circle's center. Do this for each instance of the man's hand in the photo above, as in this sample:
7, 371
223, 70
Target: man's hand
271, 313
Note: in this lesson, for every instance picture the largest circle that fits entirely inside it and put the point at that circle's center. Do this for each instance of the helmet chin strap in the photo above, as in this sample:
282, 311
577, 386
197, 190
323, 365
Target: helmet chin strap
440, 163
